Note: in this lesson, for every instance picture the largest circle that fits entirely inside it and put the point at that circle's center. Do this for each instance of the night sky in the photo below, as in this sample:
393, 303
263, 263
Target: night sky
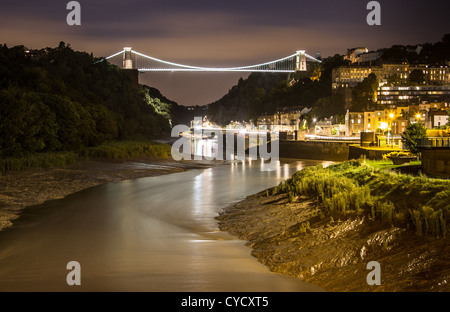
219, 33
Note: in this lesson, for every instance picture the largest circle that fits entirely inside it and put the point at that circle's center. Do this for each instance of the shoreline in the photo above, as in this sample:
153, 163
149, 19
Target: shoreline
335, 257
33, 186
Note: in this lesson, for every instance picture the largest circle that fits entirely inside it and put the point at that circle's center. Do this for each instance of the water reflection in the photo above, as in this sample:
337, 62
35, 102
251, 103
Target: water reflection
150, 234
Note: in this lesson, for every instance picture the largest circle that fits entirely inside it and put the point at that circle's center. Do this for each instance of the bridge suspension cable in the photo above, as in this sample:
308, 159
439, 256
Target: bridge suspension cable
146, 63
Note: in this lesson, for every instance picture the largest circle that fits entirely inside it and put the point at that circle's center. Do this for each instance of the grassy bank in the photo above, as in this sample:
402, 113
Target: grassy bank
360, 188
43, 160
121, 150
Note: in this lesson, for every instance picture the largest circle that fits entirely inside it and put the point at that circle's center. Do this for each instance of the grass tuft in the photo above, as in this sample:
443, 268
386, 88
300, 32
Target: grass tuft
121, 150
370, 188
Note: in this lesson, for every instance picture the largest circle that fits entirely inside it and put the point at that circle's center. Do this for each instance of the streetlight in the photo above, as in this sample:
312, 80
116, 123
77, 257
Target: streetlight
391, 117
383, 126
389, 137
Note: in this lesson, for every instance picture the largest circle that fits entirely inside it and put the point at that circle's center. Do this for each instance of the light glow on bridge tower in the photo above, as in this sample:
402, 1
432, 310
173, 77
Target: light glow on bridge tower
300, 60
127, 60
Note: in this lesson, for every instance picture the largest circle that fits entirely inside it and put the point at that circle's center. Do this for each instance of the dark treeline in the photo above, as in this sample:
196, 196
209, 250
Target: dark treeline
58, 99
433, 54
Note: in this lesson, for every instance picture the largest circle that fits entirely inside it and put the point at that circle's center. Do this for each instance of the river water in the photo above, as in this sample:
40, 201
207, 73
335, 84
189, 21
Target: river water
149, 234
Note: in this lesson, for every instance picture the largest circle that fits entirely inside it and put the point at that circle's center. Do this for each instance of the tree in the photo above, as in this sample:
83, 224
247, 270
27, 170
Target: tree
326, 107
413, 134
416, 76
394, 80
365, 93
62, 101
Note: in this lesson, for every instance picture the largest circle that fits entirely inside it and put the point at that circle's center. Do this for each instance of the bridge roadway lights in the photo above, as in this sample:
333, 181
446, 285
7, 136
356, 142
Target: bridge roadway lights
285, 64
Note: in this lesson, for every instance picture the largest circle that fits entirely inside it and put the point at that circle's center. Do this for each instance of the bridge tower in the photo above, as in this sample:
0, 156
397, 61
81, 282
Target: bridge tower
128, 67
127, 60
300, 61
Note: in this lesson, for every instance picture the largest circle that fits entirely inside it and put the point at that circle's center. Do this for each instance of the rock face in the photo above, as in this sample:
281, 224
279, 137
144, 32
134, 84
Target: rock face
334, 253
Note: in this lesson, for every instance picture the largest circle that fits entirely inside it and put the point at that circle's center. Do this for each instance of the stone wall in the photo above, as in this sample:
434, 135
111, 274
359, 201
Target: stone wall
355, 152
436, 161
320, 150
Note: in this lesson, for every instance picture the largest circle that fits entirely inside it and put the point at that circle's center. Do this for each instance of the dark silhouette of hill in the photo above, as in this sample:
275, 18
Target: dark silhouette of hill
58, 99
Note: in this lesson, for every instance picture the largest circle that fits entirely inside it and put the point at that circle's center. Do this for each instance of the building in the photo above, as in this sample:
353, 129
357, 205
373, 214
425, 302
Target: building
287, 121
352, 54
394, 121
374, 119
350, 76
265, 122
436, 74
392, 96
379, 120
327, 128
369, 57
439, 105
354, 123
439, 118
385, 71
400, 125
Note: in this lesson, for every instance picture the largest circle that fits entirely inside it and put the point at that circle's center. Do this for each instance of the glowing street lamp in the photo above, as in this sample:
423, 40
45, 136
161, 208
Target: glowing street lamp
391, 117
383, 126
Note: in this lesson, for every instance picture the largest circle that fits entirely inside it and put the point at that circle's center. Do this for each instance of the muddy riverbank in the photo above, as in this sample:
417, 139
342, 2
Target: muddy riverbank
335, 254
19, 189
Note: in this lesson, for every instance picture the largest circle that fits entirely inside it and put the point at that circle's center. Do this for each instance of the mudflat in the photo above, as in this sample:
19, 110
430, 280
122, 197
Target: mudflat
334, 255
19, 189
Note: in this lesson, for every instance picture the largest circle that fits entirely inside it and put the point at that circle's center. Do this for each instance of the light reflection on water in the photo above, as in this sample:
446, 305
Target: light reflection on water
150, 234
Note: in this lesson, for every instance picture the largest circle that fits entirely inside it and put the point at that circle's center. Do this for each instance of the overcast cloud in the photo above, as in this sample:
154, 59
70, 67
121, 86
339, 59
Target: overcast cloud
210, 32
